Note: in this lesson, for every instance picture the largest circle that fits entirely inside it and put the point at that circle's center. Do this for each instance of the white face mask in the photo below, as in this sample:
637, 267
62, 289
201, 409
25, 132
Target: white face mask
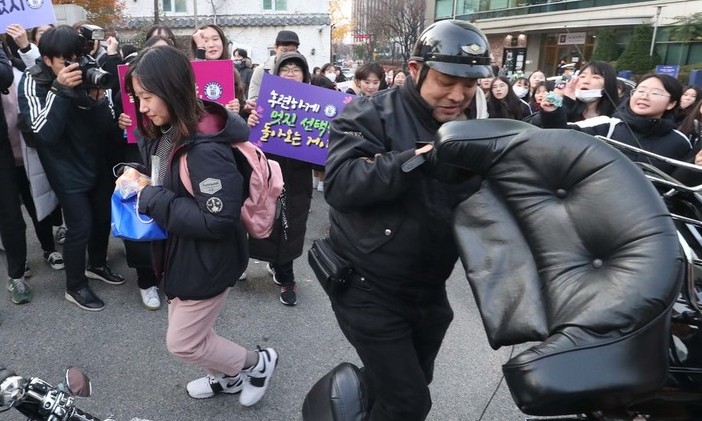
588, 95
331, 76
520, 91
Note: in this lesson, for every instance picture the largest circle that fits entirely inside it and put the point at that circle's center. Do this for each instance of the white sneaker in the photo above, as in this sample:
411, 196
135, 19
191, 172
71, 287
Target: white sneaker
206, 387
320, 186
256, 378
54, 259
149, 297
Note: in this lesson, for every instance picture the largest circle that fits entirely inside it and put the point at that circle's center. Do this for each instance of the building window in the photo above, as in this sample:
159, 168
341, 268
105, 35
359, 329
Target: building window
277, 5
177, 6
443, 9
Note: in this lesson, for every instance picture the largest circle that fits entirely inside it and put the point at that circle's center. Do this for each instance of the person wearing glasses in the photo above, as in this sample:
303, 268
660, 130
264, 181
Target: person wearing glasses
281, 250
646, 121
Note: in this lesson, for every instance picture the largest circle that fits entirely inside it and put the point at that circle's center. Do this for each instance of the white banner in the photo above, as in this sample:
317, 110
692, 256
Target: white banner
572, 38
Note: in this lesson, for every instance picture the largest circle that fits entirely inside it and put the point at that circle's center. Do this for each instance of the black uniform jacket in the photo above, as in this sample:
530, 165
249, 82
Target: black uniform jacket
394, 226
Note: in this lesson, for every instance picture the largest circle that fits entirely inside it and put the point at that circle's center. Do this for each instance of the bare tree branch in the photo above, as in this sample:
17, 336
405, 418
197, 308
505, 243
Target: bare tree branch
397, 21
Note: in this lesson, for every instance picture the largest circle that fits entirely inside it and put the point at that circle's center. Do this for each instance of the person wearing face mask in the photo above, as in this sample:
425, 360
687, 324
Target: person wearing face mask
591, 94
504, 103
520, 86
329, 71
645, 122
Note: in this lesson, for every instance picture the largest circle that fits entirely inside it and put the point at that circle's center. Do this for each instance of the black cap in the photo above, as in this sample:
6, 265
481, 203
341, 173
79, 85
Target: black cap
287, 37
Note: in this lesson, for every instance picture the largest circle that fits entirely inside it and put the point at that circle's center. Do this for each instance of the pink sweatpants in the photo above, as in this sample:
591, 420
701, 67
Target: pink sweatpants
191, 336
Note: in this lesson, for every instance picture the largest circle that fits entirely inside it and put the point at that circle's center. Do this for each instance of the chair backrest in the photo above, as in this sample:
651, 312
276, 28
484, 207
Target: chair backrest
566, 243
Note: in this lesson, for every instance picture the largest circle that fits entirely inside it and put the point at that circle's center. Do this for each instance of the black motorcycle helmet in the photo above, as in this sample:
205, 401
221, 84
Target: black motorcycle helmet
453, 47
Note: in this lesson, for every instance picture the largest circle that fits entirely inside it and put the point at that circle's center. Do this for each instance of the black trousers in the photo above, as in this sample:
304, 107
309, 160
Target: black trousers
12, 227
397, 335
87, 216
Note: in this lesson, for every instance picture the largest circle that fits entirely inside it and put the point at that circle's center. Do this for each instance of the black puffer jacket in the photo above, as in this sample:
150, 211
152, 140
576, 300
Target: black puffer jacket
394, 226
206, 250
657, 135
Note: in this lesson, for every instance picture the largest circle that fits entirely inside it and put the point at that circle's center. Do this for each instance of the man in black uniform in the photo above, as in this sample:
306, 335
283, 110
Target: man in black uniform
391, 218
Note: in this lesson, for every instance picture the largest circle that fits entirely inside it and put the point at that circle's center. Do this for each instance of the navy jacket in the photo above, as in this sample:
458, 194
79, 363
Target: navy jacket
206, 250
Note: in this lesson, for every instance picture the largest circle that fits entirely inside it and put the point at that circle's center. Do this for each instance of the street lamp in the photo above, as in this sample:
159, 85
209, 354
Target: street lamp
655, 29
331, 43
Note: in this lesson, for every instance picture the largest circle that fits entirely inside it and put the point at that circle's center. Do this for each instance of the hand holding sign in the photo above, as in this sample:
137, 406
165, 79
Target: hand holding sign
18, 34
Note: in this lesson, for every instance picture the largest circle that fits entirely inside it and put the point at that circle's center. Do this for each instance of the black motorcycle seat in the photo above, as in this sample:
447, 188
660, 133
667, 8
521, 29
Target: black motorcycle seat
566, 243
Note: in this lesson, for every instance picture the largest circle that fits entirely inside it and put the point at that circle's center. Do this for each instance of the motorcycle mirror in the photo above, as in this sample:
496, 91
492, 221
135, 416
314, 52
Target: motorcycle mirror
78, 382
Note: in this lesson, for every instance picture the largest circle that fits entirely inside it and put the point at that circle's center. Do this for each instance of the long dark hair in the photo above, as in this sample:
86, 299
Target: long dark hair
610, 95
166, 72
508, 107
688, 125
225, 43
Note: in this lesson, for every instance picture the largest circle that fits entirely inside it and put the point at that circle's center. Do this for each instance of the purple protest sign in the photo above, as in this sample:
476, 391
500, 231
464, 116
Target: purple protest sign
294, 118
214, 81
28, 13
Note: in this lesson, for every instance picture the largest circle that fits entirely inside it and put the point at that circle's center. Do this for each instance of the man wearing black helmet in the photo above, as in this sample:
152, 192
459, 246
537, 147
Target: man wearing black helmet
391, 212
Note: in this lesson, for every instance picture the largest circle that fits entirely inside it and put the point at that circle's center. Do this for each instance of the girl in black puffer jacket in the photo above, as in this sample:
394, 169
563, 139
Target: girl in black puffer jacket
646, 121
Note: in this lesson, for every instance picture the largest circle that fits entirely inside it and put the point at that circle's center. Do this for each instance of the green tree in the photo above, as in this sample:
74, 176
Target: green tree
636, 55
687, 28
607, 48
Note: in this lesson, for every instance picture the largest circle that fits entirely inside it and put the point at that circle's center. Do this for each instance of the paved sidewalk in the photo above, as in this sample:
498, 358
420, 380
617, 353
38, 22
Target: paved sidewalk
122, 348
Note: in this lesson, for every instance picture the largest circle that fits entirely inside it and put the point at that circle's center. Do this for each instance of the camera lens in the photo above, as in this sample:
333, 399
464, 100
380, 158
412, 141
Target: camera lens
99, 78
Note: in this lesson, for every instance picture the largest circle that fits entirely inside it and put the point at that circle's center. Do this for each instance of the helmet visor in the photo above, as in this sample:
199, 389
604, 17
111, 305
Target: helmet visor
473, 71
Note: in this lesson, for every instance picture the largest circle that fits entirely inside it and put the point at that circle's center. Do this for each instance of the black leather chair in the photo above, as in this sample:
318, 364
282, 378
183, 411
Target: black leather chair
567, 244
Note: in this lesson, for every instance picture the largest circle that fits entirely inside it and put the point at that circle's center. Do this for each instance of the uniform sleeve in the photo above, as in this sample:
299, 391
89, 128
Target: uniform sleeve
44, 113
360, 170
30, 57
214, 210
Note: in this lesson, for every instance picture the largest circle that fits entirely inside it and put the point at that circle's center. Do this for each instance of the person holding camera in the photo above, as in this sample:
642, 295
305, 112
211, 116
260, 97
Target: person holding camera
69, 117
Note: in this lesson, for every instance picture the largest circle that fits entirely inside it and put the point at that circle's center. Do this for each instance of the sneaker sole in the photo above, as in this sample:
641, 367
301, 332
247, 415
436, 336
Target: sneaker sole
57, 266
70, 299
211, 395
151, 308
288, 304
265, 384
91, 275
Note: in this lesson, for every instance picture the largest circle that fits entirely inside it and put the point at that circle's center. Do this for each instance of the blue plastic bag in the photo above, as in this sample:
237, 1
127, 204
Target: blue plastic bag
129, 224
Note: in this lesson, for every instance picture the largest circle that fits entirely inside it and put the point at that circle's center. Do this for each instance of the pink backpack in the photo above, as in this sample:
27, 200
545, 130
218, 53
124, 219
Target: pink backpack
265, 202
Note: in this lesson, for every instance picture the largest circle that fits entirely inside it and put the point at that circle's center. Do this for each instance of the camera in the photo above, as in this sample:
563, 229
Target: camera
93, 75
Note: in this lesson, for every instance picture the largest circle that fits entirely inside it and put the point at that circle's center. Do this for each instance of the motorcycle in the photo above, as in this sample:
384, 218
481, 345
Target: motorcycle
40, 401
569, 245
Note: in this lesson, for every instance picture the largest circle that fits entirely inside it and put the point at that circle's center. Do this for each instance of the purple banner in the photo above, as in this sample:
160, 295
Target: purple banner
28, 13
294, 118
214, 81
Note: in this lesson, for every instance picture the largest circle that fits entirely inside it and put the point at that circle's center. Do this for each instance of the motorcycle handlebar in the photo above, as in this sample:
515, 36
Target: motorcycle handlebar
38, 400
